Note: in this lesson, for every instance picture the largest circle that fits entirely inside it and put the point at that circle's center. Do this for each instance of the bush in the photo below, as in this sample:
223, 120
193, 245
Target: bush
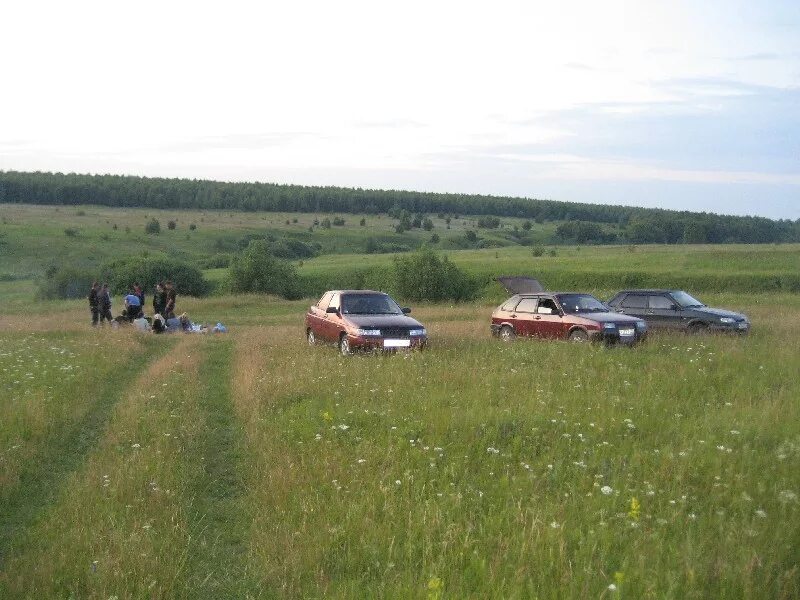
153, 226
148, 271
338, 221
427, 224
192, 227
326, 223
65, 282
537, 250
71, 232
489, 222
435, 238
171, 225
256, 270
426, 276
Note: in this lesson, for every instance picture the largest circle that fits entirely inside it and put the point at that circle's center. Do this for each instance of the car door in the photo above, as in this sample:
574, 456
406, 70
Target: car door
333, 320
663, 311
316, 316
523, 317
549, 322
635, 305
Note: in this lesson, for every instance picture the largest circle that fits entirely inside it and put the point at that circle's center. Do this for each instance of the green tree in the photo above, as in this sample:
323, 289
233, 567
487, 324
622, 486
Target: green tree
257, 270
153, 227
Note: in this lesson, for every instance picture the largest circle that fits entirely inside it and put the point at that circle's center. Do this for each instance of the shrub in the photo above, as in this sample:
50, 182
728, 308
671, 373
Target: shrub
153, 227
427, 224
338, 221
489, 222
171, 225
150, 270
114, 227
71, 232
426, 276
80, 213
527, 225
256, 270
435, 238
363, 222
192, 227
326, 223
62, 282
537, 250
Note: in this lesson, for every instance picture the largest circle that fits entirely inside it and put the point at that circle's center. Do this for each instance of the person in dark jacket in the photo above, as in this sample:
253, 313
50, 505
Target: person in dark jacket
172, 297
94, 303
104, 302
139, 292
159, 299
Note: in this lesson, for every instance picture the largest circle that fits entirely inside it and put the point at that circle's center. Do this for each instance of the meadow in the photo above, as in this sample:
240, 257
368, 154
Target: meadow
248, 465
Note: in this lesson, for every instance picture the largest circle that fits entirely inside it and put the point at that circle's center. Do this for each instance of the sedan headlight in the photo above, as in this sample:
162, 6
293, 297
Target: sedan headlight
368, 332
641, 325
727, 320
417, 332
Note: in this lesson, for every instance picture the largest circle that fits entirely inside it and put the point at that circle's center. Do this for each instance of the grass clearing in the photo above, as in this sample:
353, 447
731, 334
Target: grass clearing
264, 468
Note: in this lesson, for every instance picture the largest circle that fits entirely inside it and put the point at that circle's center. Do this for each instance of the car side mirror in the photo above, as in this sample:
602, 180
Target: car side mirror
332, 310
406, 310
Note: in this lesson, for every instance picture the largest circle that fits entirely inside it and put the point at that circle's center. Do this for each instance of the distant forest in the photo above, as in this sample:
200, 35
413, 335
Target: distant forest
581, 222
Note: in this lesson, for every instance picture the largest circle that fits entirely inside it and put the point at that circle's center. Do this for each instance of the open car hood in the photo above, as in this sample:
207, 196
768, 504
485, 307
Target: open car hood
520, 285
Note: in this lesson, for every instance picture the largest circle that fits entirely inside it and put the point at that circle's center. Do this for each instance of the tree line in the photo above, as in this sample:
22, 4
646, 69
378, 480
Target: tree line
637, 225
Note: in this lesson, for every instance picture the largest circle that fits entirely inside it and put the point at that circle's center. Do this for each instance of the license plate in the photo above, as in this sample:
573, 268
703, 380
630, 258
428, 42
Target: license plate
396, 343
626, 332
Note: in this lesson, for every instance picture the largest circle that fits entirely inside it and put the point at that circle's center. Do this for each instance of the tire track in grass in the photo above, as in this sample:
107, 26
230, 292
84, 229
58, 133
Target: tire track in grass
41, 482
217, 564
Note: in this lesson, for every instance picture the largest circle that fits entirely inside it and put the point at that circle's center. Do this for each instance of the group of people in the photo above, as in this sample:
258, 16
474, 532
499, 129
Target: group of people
164, 298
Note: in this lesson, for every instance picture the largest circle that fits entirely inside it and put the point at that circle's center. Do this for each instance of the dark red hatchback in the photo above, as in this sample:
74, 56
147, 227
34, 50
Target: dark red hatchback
363, 320
565, 316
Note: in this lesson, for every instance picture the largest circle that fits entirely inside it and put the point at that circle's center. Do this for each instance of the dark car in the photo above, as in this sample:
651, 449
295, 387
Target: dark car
675, 309
565, 316
363, 320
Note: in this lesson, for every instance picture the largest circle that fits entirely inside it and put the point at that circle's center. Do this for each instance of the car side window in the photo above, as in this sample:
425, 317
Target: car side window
661, 302
335, 302
527, 305
634, 301
547, 306
323, 302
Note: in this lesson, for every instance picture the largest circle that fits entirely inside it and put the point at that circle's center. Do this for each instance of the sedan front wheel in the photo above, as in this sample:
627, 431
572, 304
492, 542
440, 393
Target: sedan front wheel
578, 336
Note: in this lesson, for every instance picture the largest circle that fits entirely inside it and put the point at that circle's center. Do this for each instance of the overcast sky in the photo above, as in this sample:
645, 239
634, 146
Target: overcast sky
688, 105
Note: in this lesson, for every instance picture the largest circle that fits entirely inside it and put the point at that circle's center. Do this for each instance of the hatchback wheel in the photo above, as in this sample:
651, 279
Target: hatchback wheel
344, 346
312, 339
578, 336
697, 328
507, 333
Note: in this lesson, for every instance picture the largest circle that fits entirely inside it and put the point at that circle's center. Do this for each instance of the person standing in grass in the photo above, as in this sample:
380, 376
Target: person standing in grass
139, 292
159, 299
94, 303
172, 296
105, 304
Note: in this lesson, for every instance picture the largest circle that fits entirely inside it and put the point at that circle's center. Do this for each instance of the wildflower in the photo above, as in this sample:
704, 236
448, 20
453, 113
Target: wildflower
555, 525
787, 496
606, 490
761, 513
136, 446
326, 416
397, 482
633, 513
619, 577
612, 587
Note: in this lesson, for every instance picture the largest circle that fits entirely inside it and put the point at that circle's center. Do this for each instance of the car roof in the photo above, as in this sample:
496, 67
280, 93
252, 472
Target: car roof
356, 292
647, 291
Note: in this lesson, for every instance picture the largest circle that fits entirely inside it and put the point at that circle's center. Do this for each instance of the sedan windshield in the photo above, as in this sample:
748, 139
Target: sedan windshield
686, 301
581, 303
369, 304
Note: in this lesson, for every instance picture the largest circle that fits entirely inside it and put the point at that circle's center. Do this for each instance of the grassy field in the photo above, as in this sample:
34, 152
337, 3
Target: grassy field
33, 237
249, 465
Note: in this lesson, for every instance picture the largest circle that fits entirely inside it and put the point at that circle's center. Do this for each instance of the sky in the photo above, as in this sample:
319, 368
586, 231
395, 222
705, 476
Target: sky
683, 105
